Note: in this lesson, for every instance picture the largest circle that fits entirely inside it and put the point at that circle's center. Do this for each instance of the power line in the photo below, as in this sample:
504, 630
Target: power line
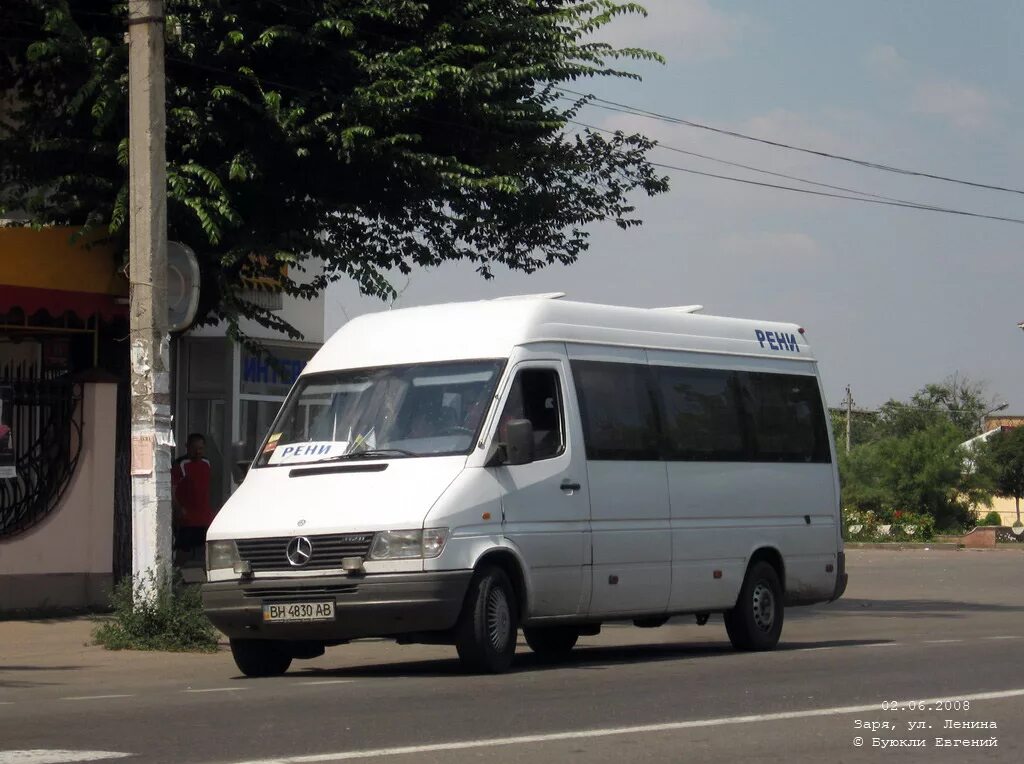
867, 196
907, 205
752, 168
636, 111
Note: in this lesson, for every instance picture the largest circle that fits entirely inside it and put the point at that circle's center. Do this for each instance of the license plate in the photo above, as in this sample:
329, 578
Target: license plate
298, 611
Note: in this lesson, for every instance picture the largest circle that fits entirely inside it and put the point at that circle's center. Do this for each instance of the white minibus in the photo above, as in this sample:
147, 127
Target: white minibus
453, 473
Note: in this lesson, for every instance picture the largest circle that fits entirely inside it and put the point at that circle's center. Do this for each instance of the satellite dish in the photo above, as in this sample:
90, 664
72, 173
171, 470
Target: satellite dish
182, 286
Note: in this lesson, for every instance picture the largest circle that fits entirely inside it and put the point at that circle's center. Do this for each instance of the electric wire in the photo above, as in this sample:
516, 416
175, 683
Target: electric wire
604, 103
906, 205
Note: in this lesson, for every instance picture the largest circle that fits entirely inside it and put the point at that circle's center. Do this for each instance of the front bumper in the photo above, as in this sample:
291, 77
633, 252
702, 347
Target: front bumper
378, 605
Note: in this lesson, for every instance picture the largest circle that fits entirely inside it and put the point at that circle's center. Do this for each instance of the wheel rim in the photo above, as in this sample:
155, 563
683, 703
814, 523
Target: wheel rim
499, 619
763, 606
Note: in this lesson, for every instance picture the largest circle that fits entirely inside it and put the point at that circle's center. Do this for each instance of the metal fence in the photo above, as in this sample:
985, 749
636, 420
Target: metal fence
43, 420
123, 486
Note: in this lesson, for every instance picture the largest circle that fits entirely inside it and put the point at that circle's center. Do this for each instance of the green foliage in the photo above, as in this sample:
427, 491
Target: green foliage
342, 138
923, 472
171, 619
956, 400
992, 518
1003, 457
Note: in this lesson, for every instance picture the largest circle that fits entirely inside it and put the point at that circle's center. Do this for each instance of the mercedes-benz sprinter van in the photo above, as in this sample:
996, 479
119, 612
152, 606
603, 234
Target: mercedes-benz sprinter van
450, 474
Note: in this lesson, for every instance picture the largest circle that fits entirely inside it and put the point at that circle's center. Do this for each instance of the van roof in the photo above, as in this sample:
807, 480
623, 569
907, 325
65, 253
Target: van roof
492, 328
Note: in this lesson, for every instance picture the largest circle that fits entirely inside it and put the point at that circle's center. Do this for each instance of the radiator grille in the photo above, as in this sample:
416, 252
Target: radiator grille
298, 592
328, 551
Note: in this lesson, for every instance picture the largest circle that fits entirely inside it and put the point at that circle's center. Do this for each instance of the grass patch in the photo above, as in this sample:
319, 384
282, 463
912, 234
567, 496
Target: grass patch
171, 620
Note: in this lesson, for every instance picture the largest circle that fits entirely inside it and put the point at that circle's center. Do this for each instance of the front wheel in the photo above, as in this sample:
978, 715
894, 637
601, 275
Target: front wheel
260, 657
485, 636
552, 642
756, 621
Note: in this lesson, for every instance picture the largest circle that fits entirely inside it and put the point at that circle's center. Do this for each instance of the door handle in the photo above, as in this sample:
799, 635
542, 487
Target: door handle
569, 486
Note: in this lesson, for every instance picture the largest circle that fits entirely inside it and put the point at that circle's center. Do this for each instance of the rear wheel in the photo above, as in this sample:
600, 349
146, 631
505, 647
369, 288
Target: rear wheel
552, 642
485, 636
260, 657
756, 621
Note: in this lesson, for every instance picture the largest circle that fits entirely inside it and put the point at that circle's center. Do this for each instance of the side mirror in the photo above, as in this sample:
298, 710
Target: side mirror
239, 462
517, 448
518, 442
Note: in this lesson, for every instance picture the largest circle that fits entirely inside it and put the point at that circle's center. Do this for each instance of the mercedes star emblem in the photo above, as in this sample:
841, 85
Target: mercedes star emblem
299, 550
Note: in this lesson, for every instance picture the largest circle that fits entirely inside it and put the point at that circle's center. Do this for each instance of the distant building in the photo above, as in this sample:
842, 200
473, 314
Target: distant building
65, 515
63, 396
228, 393
994, 421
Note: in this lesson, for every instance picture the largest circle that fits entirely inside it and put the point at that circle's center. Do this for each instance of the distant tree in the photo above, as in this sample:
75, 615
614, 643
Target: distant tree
314, 140
956, 400
922, 472
1005, 461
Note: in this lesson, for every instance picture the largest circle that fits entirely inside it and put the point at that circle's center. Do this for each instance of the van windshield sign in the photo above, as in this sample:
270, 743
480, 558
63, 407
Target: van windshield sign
777, 340
307, 452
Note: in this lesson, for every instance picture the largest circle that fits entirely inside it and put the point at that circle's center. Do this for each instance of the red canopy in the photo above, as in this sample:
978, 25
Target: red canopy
57, 302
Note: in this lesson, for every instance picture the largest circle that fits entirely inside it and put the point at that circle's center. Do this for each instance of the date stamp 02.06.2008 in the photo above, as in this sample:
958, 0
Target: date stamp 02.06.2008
943, 724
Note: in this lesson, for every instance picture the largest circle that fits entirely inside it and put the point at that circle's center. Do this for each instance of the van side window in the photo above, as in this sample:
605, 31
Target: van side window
787, 418
536, 395
617, 407
702, 416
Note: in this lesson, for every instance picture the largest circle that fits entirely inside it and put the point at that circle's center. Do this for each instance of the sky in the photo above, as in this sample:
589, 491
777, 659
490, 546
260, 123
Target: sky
891, 298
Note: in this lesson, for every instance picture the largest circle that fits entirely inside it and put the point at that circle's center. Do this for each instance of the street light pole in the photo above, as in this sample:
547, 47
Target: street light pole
1000, 407
150, 362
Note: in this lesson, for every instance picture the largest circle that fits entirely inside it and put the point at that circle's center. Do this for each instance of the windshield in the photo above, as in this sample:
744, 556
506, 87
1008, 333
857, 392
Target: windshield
395, 411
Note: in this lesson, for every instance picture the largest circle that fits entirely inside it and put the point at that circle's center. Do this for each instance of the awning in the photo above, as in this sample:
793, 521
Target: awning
42, 270
57, 302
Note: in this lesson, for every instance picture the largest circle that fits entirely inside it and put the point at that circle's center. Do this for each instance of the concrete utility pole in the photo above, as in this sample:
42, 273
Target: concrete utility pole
150, 356
849, 416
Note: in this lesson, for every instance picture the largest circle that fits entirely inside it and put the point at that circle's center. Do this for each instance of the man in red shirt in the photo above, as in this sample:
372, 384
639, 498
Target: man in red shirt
190, 491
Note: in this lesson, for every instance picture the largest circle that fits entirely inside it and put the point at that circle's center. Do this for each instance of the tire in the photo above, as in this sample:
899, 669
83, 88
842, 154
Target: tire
755, 623
485, 635
260, 657
552, 642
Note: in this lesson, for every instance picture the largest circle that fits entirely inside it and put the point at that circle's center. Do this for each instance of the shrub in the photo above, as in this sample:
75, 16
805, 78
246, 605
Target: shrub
171, 620
992, 518
887, 526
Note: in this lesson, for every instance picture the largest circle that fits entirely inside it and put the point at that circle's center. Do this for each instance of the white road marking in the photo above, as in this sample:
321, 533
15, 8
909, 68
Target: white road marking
42, 756
941, 641
1004, 636
219, 689
324, 681
96, 697
880, 644
372, 753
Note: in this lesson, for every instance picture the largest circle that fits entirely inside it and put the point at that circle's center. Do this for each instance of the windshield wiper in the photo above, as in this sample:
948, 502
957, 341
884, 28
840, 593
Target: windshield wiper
370, 453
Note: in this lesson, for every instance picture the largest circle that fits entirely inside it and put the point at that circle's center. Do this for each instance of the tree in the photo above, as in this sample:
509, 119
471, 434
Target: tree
311, 140
956, 399
1004, 456
921, 472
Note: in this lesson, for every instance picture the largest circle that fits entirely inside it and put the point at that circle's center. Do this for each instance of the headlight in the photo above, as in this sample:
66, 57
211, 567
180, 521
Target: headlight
404, 545
221, 554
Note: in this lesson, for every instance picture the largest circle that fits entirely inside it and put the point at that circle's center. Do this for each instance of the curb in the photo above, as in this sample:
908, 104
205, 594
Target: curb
899, 546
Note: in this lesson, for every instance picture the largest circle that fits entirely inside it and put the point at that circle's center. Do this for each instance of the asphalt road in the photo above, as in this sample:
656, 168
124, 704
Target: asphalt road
946, 628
